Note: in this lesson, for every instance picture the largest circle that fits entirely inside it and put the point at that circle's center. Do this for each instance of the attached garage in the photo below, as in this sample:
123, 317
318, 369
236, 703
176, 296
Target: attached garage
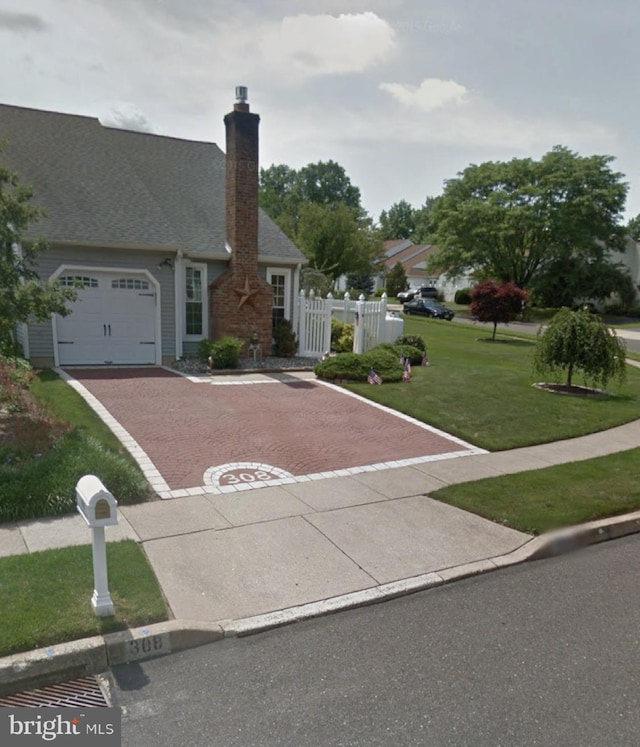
114, 320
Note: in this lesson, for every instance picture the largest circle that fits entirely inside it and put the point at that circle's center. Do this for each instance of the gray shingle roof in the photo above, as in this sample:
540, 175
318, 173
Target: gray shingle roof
106, 186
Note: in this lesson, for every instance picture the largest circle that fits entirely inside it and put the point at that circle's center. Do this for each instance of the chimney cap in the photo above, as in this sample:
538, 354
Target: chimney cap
241, 94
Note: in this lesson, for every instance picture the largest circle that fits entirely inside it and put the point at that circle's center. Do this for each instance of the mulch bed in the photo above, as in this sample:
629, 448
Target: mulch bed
579, 391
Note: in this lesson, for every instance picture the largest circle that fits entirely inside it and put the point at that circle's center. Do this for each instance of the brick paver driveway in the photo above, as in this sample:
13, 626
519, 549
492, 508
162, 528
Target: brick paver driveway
218, 433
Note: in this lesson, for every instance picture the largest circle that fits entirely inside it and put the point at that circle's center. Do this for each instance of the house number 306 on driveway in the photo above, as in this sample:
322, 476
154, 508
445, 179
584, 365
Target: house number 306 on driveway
243, 475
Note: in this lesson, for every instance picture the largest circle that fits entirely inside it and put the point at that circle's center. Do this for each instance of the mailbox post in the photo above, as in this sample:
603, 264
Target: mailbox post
99, 509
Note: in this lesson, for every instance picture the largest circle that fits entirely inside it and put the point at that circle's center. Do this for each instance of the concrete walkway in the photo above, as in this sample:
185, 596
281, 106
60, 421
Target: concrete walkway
229, 556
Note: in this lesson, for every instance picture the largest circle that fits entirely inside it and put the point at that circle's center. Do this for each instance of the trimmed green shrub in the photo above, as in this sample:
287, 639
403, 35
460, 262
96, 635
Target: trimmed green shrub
355, 367
463, 297
413, 354
415, 341
224, 353
403, 351
286, 344
342, 366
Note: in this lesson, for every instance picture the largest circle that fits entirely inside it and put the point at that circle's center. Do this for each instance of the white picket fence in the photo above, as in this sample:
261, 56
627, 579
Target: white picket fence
314, 322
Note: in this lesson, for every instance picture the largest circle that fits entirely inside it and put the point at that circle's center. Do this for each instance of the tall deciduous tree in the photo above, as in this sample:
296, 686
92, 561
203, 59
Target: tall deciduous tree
569, 279
424, 228
578, 341
633, 228
512, 220
498, 303
333, 241
23, 296
319, 209
398, 222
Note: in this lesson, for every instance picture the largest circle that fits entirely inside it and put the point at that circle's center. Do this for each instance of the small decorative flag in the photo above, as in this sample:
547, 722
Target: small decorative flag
406, 374
373, 377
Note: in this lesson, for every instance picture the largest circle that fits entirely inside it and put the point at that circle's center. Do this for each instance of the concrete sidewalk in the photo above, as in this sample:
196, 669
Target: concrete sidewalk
238, 555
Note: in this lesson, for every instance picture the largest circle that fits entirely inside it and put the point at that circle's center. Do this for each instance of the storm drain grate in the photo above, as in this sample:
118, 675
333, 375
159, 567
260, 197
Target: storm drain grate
81, 693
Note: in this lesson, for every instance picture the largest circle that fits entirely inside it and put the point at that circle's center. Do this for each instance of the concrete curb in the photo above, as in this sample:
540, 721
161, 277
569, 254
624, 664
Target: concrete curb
95, 655
45, 666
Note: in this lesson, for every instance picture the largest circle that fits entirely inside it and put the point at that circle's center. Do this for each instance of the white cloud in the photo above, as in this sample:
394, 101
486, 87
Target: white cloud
125, 116
431, 94
313, 45
456, 118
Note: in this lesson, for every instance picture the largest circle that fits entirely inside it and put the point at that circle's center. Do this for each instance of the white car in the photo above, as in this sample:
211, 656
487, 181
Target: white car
425, 291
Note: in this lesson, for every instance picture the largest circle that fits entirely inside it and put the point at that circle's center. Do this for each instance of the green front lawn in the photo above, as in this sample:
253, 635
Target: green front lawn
482, 391
559, 496
45, 597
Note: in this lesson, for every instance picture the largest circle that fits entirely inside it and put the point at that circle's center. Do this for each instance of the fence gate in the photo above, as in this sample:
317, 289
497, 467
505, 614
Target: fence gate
314, 322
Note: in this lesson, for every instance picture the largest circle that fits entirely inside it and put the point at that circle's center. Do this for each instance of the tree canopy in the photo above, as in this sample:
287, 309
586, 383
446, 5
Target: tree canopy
319, 208
402, 221
23, 296
398, 222
512, 220
633, 228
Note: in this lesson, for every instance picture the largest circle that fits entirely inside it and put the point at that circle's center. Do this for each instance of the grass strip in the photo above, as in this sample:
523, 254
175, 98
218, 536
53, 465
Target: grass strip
539, 500
65, 404
46, 596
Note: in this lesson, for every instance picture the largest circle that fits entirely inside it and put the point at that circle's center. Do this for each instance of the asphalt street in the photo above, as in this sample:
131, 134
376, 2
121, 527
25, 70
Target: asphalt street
538, 654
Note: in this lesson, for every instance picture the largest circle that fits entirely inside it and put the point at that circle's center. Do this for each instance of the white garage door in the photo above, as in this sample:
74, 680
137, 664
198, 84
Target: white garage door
112, 322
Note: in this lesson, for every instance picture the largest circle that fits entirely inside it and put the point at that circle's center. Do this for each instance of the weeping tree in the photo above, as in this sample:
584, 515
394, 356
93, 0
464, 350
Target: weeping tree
579, 341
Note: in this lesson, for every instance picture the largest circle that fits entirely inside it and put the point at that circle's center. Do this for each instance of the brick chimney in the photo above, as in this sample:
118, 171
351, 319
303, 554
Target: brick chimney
241, 302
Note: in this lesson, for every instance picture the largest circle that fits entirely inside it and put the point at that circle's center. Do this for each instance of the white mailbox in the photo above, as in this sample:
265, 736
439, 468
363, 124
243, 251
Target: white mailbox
99, 509
95, 503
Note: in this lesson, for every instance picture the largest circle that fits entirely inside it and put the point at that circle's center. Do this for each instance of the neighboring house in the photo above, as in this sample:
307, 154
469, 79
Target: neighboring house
412, 257
164, 236
629, 258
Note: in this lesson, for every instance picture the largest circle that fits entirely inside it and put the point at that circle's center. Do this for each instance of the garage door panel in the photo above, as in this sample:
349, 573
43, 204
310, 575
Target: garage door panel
113, 321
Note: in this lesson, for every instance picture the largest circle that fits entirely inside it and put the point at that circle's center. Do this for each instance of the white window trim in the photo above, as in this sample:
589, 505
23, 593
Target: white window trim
205, 301
286, 271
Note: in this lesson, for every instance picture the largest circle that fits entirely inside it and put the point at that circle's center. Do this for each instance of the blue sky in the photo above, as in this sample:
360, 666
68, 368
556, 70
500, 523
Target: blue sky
402, 93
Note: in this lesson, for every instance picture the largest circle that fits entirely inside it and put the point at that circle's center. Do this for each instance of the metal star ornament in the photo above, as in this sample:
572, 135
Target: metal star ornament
246, 293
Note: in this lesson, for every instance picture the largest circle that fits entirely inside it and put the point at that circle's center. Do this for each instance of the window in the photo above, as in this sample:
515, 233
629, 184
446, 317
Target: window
280, 282
194, 307
78, 281
130, 284
278, 314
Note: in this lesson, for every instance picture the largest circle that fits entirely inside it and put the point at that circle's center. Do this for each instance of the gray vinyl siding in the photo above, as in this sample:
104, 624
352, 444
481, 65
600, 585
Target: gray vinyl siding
21, 335
41, 334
